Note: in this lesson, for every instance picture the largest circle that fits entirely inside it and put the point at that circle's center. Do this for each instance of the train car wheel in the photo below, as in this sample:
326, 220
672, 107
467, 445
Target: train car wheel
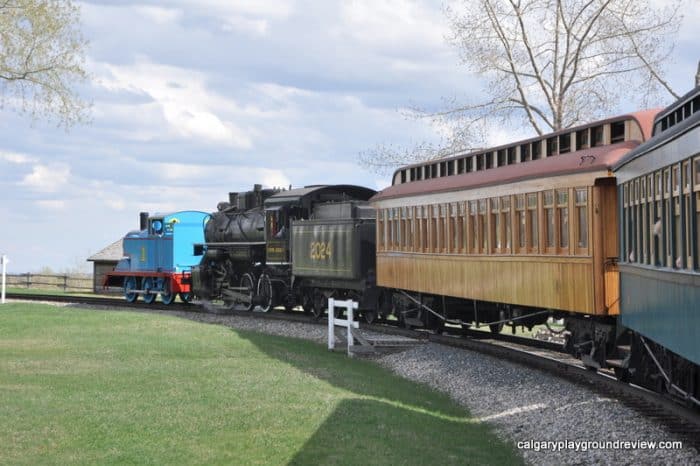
186, 297
318, 304
496, 328
248, 282
130, 284
307, 303
369, 316
148, 297
265, 292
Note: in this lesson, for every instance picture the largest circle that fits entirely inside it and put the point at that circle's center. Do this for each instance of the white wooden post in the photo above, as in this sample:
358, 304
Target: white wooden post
3, 261
350, 323
331, 324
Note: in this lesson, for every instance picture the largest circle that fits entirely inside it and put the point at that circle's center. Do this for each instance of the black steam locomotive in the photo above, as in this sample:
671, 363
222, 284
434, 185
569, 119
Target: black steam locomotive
273, 247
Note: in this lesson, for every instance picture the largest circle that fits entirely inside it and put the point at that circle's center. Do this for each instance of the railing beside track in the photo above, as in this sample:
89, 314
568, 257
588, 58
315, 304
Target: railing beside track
62, 282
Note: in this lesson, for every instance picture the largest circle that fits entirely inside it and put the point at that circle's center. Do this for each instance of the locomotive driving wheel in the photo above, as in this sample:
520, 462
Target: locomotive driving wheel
248, 282
129, 286
186, 297
148, 297
166, 296
265, 292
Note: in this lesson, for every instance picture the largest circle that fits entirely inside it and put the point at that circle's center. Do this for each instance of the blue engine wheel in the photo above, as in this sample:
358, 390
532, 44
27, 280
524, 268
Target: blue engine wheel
166, 296
130, 284
186, 297
148, 297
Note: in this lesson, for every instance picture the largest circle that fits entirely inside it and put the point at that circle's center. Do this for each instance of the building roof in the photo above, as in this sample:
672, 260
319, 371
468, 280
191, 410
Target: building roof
113, 252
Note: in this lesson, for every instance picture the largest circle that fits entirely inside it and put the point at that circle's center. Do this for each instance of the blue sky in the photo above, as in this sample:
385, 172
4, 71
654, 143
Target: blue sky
196, 98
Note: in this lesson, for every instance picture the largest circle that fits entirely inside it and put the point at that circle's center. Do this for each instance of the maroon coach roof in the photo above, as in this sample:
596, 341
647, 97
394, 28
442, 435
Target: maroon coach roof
581, 161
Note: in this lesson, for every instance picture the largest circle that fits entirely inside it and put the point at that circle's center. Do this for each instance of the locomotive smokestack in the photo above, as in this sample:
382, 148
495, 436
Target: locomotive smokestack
143, 220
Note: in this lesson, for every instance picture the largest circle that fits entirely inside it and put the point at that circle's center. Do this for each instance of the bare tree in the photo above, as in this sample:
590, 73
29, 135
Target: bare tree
42, 60
551, 64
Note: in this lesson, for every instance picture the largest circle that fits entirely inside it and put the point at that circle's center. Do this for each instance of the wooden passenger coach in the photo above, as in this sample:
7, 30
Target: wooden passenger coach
531, 224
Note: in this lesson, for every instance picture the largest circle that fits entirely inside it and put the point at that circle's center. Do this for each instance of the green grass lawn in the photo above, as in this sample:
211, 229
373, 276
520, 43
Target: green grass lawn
81, 386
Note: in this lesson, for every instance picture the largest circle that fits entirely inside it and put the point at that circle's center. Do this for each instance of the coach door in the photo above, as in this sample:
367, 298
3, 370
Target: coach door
606, 247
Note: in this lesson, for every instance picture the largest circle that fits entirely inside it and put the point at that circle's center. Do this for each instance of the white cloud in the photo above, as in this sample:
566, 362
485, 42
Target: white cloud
159, 15
394, 22
191, 110
257, 27
52, 204
16, 158
47, 178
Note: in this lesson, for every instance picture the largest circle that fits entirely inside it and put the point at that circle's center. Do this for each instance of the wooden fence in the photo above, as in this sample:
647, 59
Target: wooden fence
67, 282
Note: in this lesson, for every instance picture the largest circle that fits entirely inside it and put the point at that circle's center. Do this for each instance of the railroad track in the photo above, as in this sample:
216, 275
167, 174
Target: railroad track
541, 355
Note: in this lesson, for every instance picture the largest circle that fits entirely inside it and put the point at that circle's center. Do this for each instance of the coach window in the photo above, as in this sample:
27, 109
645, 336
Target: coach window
469, 164
473, 227
625, 222
511, 156
462, 228
507, 224
423, 228
617, 132
432, 229
632, 255
687, 217
549, 224
581, 205
520, 225
565, 143
388, 229
552, 146
442, 230
597, 136
696, 191
495, 226
582, 139
533, 239
380, 229
668, 219
644, 205
395, 228
525, 153
649, 225
563, 220
638, 202
417, 230
453, 232
483, 222
536, 150
678, 230
501, 158
658, 220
